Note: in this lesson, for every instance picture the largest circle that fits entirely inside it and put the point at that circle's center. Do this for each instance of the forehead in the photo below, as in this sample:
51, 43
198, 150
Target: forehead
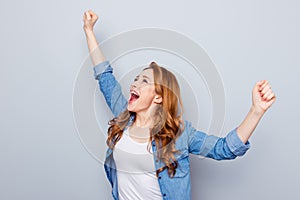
148, 73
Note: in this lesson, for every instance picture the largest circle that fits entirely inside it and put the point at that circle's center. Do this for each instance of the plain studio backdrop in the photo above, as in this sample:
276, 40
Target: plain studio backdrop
43, 47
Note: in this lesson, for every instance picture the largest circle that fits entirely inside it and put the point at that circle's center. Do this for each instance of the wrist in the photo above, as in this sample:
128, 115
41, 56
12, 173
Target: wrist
88, 30
257, 111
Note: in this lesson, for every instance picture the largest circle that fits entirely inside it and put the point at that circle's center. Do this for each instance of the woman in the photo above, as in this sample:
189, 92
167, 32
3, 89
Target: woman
148, 141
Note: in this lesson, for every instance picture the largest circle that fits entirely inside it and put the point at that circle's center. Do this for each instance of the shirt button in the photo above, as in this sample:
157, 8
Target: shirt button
164, 195
156, 160
153, 145
159, 177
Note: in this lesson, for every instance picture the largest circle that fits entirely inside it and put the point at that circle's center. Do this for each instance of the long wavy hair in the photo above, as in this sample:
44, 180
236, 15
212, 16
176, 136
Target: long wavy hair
167, 119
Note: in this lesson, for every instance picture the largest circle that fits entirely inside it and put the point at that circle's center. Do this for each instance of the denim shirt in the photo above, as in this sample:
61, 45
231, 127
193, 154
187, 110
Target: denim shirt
191, 141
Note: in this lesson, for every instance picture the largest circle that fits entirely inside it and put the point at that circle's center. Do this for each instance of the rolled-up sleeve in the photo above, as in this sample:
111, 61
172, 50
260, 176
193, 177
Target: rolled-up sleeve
228, 147
101, 68
235, 144
218, 148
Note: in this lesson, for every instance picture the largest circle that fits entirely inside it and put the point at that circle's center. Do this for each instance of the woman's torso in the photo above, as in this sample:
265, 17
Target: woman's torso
135, 169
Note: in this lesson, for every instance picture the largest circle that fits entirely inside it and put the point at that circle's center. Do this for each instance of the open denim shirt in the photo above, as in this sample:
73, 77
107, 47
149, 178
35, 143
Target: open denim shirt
190, 141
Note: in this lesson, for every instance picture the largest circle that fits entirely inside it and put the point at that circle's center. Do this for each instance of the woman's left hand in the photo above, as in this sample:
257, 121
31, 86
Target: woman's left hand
262, 96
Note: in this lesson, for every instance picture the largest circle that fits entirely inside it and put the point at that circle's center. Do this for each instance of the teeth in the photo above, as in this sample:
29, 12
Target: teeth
135, 93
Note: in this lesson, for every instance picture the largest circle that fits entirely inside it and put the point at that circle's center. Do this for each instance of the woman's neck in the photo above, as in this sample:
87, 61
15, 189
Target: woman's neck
143, 121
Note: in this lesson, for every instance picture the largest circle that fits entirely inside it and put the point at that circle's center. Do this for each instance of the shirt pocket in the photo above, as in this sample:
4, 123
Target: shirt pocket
183, 167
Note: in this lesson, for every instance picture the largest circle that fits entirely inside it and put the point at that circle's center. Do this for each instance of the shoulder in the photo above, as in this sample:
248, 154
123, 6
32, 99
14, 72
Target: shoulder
186, 134
188, 129
190, 133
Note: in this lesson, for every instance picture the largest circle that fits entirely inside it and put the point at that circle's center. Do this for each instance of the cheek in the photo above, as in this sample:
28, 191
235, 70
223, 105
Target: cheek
151, 90
148, 93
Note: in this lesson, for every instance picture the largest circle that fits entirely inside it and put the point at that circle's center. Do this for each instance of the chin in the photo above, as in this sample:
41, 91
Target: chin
129, 108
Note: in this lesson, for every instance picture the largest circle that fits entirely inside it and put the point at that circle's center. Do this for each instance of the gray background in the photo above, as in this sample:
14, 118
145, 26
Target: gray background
43, 46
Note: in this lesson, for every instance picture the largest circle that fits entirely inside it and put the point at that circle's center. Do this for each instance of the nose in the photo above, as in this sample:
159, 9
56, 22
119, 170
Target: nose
133, 85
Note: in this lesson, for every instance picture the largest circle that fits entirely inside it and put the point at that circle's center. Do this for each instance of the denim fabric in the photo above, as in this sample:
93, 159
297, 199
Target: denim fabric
191, 141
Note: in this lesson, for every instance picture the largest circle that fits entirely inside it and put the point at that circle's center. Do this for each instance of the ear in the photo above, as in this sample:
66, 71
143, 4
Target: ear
157, 99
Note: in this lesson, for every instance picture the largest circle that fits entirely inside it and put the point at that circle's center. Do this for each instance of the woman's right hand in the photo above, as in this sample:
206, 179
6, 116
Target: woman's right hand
89, 19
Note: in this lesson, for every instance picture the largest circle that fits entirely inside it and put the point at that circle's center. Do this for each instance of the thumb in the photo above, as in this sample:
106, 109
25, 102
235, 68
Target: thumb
88, 16
257, 85
260, 82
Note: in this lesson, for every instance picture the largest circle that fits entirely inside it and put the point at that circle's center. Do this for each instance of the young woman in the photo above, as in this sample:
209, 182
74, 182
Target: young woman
148, 141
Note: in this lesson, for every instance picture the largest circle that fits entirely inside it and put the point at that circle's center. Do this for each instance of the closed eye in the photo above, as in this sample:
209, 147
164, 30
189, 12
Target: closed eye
144, 80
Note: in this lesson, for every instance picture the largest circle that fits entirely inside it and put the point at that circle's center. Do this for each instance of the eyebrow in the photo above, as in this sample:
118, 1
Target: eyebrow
143, 76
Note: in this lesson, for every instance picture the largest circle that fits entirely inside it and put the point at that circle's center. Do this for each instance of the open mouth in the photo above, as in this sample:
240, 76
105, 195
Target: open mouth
133, 96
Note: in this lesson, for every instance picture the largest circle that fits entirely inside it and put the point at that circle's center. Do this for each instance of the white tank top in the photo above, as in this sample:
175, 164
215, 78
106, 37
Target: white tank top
135, 170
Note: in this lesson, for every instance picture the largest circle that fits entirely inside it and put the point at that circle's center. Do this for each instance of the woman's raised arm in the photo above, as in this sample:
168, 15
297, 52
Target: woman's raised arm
262, 99
103, 72
236, 141
90, 18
